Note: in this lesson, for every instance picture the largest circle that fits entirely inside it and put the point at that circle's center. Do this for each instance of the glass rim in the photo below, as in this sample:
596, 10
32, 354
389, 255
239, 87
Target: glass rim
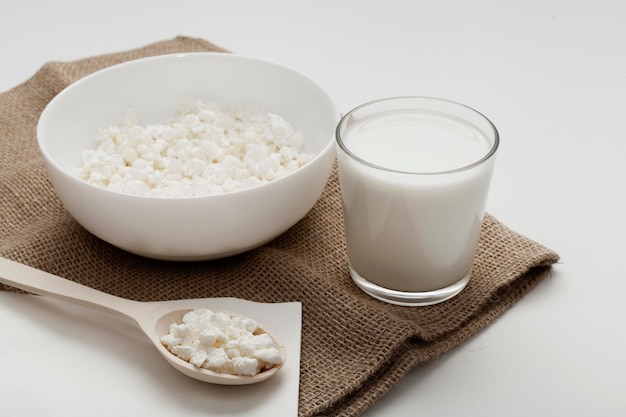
485, 158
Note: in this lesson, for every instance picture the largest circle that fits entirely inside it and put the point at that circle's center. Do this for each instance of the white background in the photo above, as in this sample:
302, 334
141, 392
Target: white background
551, 75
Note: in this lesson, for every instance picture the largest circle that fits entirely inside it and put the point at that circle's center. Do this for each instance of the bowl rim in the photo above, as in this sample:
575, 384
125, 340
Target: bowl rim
321, 154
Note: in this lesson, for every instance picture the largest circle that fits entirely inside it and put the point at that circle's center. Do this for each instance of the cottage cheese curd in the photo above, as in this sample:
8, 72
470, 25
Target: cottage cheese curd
203, 150
222, 343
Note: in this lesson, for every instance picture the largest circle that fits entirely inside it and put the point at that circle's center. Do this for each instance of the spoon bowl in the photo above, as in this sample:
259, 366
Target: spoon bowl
153, 318
161, 328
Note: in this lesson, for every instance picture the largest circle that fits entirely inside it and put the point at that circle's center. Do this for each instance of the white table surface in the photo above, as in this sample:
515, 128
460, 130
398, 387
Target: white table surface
550, 74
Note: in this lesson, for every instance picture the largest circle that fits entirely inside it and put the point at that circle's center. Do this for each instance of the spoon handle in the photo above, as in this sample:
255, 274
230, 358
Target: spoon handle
40, 282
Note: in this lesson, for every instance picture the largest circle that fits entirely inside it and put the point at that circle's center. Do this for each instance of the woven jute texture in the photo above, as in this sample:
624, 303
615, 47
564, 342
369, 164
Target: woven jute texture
354, 348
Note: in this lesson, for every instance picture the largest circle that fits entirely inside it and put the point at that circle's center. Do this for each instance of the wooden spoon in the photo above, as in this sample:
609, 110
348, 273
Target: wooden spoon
153, 318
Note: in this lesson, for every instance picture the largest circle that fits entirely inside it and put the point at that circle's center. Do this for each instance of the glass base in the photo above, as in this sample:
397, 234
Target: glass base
404, 298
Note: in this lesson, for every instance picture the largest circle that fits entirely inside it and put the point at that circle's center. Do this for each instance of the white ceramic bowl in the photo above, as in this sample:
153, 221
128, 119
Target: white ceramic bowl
194, 228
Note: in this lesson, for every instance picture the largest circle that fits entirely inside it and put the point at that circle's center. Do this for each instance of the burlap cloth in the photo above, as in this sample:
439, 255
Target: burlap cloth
354, 348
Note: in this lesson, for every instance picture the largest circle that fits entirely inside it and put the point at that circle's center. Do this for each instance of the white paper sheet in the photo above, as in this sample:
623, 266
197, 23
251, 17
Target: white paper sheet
58, 359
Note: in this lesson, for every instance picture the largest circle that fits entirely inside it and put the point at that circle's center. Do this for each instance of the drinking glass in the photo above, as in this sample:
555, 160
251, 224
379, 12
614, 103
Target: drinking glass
414, 176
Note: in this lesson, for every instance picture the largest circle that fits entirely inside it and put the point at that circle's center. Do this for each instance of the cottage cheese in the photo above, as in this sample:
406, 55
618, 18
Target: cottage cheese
203, 150
222, 343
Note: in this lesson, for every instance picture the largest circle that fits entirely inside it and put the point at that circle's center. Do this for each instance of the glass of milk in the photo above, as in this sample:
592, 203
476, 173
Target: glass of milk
414, 175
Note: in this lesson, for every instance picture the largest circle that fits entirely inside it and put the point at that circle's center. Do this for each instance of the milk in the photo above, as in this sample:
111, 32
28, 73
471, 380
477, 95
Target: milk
413, 197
